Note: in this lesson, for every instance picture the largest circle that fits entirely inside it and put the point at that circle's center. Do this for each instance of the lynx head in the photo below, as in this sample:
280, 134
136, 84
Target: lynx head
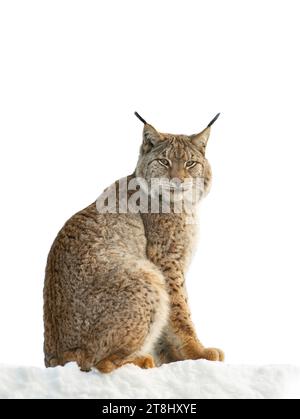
178, 159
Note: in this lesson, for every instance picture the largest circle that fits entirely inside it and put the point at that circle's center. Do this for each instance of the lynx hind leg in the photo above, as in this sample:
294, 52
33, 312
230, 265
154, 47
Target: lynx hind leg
139, 315
50, 330
50, 360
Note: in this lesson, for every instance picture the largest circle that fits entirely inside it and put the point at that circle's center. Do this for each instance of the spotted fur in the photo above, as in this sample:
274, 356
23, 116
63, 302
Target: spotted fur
115, 283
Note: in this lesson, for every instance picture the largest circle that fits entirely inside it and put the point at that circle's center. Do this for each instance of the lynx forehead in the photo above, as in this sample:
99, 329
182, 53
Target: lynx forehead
114, 288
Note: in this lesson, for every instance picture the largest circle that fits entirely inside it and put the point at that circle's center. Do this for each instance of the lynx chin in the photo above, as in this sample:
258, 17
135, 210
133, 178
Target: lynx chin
114, 289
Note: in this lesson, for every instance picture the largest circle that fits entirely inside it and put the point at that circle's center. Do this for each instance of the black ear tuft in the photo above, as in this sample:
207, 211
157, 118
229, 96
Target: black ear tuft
213, 120
140, 118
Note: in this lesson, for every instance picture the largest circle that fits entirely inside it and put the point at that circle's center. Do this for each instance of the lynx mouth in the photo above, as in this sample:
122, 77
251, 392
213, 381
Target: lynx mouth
177, 190
180, 188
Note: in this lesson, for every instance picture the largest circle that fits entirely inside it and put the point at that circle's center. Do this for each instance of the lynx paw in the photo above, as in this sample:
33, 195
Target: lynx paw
113, 362
146, 362
212, 354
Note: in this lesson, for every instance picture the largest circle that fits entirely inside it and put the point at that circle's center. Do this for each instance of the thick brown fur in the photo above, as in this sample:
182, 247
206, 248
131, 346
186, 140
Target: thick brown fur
115, 282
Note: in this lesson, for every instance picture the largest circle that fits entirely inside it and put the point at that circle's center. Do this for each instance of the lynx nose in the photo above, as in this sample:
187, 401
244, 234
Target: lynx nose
176, 183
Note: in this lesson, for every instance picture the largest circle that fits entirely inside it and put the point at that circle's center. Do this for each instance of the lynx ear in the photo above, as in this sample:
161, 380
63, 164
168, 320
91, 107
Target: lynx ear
200, 140
150, 136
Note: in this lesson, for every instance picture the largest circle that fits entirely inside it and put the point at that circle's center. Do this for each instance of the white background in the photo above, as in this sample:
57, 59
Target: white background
73, 72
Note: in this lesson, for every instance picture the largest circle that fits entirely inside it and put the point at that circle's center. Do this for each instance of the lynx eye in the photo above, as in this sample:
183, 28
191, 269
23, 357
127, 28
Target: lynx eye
164, 162
189, 164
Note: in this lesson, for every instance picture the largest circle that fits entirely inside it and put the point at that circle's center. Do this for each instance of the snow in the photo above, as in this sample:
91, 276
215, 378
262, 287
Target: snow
187, 379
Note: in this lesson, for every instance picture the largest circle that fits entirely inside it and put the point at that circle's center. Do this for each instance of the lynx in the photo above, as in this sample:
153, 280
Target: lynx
114, 289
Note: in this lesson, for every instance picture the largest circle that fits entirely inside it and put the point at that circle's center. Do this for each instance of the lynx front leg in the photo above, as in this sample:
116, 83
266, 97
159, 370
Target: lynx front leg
169, 244
180, 340
181, 335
